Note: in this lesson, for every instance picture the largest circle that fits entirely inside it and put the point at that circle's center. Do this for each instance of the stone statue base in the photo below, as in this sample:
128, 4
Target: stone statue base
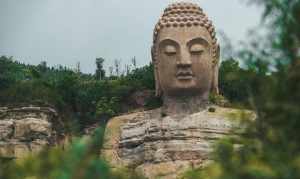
165, 147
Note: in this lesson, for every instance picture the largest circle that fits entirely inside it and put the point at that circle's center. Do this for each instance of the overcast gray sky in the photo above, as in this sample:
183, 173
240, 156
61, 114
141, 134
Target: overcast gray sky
70, 31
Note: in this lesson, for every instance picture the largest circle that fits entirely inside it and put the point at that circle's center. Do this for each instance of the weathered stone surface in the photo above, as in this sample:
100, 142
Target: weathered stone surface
37, 145
30, 126
14, 149
185, 54
166, 146
27, 129
6, 129
6, 150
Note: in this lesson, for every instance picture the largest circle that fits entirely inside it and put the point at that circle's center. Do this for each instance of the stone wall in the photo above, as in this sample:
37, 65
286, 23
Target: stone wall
27, 129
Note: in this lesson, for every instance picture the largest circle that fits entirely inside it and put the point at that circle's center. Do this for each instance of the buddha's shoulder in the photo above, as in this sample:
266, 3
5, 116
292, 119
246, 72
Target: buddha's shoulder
212, 112
118, 121
116, 124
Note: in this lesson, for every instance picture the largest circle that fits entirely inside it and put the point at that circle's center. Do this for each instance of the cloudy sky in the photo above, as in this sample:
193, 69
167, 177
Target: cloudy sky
70, 31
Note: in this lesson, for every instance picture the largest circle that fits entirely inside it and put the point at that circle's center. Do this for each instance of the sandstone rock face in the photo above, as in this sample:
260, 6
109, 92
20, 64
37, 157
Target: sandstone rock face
167, 146
26, 129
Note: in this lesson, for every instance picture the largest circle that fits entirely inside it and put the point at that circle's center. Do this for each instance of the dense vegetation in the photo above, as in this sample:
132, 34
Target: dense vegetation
82, 98
268, 84
80, 160
272, 144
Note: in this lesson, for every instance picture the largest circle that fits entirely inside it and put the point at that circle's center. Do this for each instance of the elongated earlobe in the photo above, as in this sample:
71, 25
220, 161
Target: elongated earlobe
218, 53
158, 91
215, 80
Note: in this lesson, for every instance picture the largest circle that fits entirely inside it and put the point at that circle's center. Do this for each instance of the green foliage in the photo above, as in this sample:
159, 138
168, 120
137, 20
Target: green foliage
81, 160
79, 97
218, 100
108, 107
142, 78
270, 148
8, 71
100, 72
234, 81
269, 84
283, 15
231, 82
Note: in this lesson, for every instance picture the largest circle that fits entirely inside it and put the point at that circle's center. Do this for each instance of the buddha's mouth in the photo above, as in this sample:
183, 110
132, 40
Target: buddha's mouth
184, 75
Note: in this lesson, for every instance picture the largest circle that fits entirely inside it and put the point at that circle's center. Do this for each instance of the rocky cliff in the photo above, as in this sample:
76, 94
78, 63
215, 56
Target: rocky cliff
166, 146
27, 129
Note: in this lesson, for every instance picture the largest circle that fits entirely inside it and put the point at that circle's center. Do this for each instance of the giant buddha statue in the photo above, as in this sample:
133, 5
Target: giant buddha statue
165, 142
185, 55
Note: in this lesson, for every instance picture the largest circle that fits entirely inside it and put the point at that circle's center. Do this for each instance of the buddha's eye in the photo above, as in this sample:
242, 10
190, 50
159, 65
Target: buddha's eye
170, 50
196, 49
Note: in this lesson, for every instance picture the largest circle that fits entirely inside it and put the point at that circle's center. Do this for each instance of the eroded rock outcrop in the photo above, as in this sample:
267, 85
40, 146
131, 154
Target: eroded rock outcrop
167, 146
27, 129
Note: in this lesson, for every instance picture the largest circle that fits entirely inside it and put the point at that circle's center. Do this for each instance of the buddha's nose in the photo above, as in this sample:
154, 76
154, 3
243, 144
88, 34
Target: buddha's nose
184, 60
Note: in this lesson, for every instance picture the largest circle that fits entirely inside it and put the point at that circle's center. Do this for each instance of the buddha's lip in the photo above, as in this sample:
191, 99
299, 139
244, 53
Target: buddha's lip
184, 75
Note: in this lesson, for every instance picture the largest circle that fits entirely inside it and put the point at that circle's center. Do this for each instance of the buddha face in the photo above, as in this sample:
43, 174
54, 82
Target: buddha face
185, 61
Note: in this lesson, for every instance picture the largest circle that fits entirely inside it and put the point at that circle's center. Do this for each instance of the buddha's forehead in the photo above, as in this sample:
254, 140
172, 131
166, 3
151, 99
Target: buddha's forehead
183, 35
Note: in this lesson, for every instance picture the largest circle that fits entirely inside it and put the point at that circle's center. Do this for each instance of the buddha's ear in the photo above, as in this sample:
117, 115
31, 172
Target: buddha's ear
218, 53
215, 80
158, 91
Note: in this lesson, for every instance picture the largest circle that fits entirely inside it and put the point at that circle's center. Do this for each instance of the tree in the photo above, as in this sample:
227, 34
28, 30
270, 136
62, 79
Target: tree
270, 147
42, 66
133, 61
107, 107
232, 79
77, 69
80, 160
127, 69
111, 70
100, 72
117, 64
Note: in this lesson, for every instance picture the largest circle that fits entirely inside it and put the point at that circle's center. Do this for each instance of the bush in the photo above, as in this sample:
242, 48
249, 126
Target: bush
79, 161
271, 144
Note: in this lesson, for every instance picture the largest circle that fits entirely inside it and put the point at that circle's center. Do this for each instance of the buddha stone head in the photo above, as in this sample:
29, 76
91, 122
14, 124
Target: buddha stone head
185, 53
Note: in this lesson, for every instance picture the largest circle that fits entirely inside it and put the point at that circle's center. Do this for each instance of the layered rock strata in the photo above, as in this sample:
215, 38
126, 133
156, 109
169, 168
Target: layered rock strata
166, 146
27, 129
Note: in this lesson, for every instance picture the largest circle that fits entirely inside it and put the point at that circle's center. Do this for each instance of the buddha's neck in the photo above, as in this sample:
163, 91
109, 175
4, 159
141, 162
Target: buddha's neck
181, 105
